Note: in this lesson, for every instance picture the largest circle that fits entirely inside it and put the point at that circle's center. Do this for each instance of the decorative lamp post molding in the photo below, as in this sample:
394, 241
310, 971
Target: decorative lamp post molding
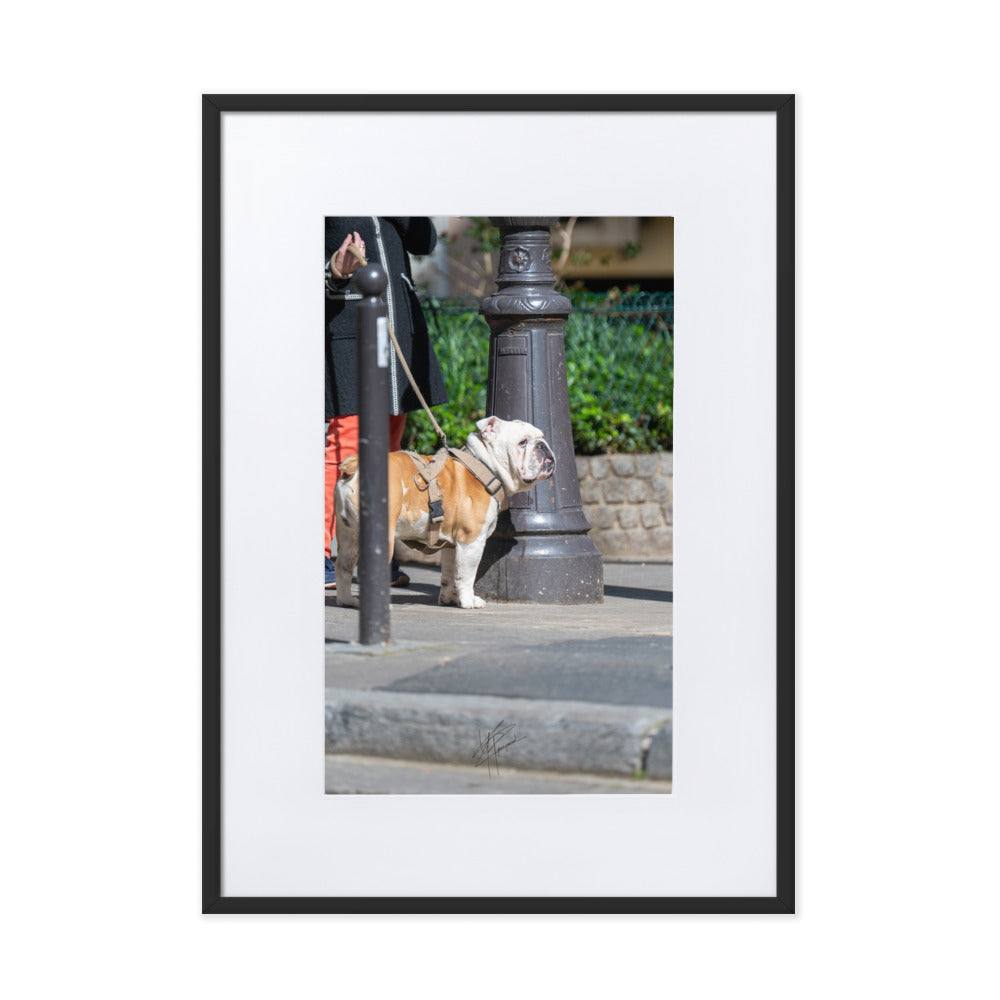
540, 551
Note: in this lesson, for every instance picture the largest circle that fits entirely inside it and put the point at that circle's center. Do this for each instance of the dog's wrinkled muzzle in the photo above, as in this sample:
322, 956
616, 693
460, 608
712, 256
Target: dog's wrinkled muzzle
542, 461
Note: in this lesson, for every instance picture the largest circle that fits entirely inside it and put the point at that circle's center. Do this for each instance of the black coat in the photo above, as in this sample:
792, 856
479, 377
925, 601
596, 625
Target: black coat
388, 241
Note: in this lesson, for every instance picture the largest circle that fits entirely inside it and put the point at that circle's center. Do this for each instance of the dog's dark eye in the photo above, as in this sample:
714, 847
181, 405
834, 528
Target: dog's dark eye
522, 442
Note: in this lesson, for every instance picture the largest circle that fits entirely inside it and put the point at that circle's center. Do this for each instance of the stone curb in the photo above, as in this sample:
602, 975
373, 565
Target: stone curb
568, 736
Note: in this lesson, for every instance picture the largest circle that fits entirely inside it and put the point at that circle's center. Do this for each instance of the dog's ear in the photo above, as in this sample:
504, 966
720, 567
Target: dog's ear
488, 428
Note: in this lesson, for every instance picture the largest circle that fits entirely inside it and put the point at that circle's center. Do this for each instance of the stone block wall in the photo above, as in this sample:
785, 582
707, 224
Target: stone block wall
628, 500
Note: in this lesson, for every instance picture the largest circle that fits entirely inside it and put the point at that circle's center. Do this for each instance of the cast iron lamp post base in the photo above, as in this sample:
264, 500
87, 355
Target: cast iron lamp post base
540, 551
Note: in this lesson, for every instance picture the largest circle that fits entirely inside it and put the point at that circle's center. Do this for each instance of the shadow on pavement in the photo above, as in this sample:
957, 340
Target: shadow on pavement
415, 593
638, 593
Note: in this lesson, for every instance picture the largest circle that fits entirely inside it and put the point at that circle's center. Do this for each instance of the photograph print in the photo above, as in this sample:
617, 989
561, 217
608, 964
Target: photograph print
498, 565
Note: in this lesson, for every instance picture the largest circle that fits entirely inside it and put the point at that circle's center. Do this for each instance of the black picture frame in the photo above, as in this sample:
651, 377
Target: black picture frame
782, 106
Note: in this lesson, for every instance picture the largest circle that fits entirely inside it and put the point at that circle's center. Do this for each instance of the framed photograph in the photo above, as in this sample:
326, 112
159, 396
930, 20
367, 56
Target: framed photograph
484, 716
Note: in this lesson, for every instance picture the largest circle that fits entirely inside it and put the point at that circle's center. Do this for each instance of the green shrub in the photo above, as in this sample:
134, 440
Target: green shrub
619, 372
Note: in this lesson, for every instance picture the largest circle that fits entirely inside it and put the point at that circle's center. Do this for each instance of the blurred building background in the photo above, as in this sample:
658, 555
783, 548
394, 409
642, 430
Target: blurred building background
600, 252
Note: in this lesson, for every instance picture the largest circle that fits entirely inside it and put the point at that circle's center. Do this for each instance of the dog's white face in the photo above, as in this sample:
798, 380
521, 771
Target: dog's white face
519, 448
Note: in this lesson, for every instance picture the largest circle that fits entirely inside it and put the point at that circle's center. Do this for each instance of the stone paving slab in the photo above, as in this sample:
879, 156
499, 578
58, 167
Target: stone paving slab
589, 687
638, 600
351, 775
631, 670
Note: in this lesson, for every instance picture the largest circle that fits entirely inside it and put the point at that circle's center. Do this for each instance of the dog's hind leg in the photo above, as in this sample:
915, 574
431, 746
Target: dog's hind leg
347, 560
347, 551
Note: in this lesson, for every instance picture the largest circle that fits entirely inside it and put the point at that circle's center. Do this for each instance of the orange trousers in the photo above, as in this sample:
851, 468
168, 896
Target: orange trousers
342, 441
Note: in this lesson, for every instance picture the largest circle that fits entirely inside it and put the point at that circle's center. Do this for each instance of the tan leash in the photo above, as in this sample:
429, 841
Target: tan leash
426, 475
399, 353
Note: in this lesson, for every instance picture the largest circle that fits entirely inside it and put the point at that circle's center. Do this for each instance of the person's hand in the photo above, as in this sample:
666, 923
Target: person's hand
344, 261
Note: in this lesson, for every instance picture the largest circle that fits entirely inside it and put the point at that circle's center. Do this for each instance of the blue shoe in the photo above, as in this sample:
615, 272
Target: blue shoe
397, 578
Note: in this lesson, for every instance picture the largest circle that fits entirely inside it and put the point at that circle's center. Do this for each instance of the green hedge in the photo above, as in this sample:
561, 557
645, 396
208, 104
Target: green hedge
619, 371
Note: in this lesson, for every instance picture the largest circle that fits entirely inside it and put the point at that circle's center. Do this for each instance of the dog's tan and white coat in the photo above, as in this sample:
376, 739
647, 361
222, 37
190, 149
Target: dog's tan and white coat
514, 451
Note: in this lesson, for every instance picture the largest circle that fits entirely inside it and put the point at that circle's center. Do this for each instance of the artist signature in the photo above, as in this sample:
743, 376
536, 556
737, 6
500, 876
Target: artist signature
492, 744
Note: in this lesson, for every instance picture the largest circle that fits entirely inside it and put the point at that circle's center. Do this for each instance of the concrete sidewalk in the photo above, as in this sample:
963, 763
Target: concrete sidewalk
541, 692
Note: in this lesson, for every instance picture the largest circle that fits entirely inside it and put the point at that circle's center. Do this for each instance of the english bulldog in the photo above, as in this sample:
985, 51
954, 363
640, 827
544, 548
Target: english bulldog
513, 451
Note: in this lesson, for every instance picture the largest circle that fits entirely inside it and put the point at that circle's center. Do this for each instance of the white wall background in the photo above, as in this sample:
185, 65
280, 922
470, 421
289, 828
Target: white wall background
897, 222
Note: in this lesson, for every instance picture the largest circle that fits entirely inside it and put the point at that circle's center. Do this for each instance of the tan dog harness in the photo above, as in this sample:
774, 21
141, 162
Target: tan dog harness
426, 479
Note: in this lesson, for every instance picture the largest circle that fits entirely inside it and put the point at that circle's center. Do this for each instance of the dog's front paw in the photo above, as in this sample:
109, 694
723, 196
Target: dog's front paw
454, 599
346, 601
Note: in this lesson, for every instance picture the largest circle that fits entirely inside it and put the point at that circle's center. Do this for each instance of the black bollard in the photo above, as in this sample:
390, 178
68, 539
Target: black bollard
540, 551
373, 450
